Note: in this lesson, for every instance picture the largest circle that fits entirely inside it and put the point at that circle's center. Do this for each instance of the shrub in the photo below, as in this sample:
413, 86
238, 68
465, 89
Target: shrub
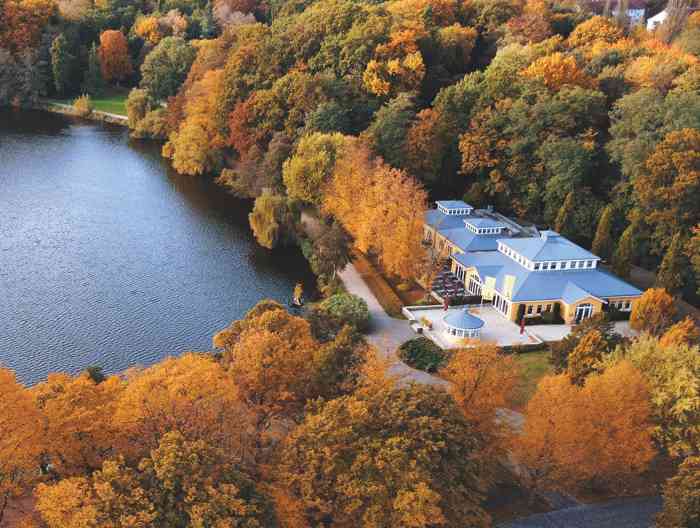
422, 354
83, 105
348, 308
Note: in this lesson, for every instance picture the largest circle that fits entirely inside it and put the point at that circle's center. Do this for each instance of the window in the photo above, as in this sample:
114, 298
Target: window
529, 309
539, 308
589, 263
627, 305
545, 265
548, 308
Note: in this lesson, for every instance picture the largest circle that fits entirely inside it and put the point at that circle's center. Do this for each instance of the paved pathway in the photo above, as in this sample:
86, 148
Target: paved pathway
386, 333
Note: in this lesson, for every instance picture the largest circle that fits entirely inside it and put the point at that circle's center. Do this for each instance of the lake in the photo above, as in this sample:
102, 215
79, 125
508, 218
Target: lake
110, 258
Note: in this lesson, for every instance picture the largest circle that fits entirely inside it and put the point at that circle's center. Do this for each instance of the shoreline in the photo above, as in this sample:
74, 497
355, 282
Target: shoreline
95, 115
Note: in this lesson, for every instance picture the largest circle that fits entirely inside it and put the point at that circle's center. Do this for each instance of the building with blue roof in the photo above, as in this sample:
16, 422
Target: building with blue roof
525, 273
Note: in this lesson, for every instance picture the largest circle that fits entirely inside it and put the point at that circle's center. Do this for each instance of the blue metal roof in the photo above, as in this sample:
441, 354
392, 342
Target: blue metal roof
453, 204
440, 221
567, 285
470, 241
463, 320
548, 246
482, 223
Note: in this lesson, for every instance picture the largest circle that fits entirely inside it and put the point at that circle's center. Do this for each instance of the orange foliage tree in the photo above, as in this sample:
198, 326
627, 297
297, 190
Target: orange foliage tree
599, 434
482, 380
78, 427
668, 188
685, 332
192, 394
20, 439
381, 207
114, 56
653, 312
22, 21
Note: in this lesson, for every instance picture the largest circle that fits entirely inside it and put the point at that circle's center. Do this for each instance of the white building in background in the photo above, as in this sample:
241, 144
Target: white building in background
656, 20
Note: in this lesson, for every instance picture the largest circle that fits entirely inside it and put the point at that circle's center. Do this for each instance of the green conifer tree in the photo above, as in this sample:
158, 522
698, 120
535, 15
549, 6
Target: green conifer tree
603, 243
564, 223
93, 83
625, 252
61, 64
671, 272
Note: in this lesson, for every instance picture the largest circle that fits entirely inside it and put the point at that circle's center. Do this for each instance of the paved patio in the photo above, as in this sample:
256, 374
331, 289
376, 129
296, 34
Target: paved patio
497, 329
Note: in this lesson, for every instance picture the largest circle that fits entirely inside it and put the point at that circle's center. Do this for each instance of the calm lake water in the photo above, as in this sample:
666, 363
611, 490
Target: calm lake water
107, 257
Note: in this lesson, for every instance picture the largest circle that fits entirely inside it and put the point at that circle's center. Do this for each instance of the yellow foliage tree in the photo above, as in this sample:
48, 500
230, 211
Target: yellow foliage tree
558, 70
148, 28
599, 434
595, 29
396, 66
653, 312
194, 147
21, 440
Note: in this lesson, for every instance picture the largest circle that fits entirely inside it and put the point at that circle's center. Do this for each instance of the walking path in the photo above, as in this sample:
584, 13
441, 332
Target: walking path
386, 333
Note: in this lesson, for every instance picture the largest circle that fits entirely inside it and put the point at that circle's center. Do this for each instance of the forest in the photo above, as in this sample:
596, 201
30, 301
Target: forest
562, 114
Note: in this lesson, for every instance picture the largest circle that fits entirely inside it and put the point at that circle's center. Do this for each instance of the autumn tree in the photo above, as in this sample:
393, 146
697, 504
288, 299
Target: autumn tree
684, 332
22, 23
114, 56
595, 29
194, 147
672, 373
181, 483
668, 190
562, 350
387, 133
192, 394
681, 495
693, 253
558, 70
307, 172
397, 66
387, 457
673, 270
272, 220
78, 428
603, 244
21, 440
381, 207
653, 312
585, 357
482, 380
599, 434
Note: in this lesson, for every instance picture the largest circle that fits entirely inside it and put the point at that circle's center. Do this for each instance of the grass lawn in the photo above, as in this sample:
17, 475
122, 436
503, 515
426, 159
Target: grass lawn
112, 101
534, 366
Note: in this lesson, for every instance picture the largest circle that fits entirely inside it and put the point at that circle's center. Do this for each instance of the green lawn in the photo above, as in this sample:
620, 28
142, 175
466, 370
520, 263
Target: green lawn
534, 366
112, 101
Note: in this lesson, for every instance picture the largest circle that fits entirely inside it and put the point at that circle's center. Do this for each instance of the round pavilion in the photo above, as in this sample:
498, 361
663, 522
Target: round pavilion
460, 323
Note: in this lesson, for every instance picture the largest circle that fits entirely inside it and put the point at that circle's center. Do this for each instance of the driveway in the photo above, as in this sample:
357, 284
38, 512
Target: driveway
386, 333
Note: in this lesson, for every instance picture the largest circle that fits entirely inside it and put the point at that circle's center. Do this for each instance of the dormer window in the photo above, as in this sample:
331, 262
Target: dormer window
454, 208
